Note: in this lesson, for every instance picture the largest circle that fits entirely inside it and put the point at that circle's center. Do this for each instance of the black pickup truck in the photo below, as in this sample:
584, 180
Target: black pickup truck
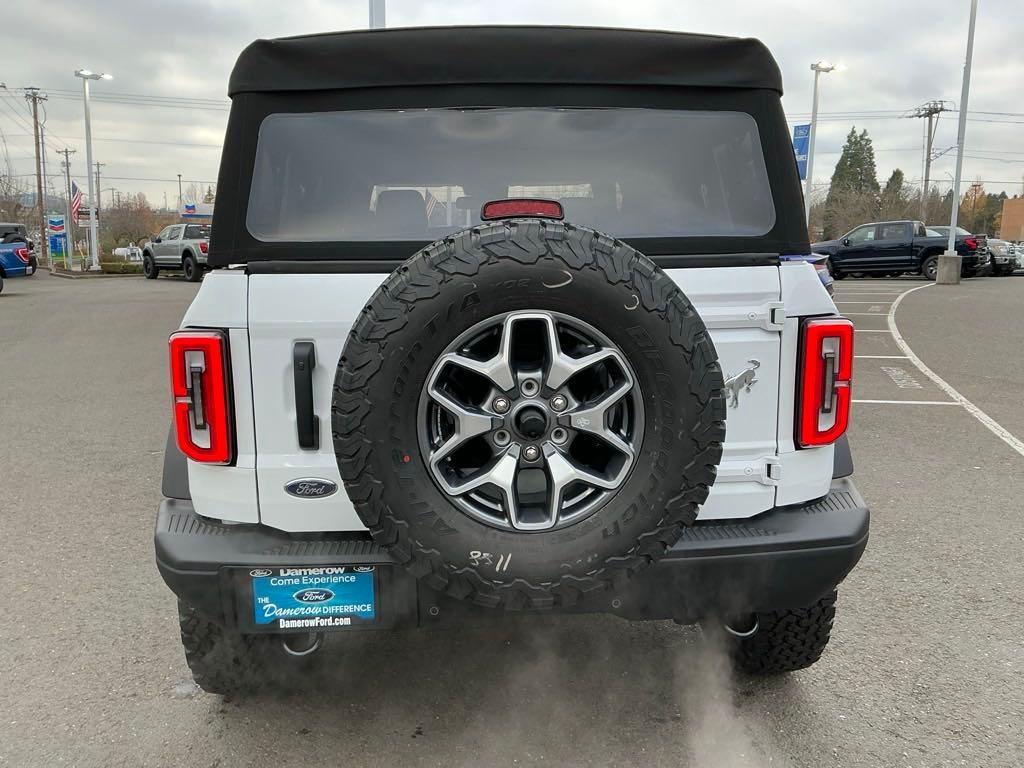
895, 248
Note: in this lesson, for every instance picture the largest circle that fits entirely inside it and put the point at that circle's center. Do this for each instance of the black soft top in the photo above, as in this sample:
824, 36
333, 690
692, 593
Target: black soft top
519, 55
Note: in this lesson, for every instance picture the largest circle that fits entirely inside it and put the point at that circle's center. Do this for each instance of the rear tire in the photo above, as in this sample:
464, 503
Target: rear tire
930, 268
785, 641
223, 662
149, 267
191, 268
836, 274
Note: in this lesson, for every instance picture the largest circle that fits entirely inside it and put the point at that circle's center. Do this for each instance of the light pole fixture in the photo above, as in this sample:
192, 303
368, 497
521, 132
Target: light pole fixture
817, 67
950, 262
94, 251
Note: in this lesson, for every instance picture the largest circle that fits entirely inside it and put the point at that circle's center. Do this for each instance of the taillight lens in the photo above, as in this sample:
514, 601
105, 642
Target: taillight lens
204, 247
971, 243
826, 367
23, 253
201, 392
521, 206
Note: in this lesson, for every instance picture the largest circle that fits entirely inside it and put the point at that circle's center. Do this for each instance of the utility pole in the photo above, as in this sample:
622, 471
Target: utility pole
33, 95
180, 201
98, 192
930, 110
950, 261
68, 235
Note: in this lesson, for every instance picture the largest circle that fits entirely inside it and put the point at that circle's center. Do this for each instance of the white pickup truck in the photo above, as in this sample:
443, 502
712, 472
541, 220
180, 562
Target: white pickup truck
499, 332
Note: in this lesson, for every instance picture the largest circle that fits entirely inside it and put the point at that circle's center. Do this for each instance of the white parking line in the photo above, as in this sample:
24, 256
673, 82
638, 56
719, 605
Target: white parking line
880, 357
993, 426
909, 402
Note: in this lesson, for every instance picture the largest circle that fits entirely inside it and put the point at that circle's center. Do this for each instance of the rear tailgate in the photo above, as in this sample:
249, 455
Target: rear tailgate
741, 306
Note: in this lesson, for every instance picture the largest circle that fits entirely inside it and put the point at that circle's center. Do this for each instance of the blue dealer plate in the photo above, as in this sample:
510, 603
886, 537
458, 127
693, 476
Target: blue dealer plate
328, 597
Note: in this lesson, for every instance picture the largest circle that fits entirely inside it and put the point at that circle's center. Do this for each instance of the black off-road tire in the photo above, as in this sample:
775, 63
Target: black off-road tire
222, 662
189, 265
149, 267
785, 641
479, 273
14, 238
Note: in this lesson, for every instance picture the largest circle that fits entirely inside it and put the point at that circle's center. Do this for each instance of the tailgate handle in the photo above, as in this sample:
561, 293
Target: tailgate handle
306, 421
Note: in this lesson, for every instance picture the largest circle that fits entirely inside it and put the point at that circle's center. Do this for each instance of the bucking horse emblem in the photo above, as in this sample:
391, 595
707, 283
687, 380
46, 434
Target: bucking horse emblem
743, 380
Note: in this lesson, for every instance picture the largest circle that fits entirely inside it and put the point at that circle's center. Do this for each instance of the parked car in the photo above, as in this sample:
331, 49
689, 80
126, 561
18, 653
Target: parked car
14, 233
981, 240
178, 247
895, 248
1002, 257
395, 416
15, 261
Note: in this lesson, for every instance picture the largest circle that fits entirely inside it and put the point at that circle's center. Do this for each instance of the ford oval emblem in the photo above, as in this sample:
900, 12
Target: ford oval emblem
311, 488
314, 595
260, 573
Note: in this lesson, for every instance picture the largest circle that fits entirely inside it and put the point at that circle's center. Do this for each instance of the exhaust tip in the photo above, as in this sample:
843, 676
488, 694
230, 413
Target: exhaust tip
294, 646
742, 626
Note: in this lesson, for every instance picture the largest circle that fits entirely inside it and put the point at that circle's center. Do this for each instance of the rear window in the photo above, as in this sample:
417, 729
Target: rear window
419, 174
197, 231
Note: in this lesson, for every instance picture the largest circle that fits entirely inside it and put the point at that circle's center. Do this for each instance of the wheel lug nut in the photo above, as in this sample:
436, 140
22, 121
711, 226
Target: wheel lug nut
502, 437
558, 403
501, 405
531, 453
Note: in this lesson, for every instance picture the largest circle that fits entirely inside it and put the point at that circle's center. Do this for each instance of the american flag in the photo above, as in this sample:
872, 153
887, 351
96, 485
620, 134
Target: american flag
76, 200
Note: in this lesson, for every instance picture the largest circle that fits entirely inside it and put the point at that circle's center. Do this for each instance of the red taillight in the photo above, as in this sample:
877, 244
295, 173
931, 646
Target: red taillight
826, 367
204, 247
971, 243
23, 253
524, 206
201, 392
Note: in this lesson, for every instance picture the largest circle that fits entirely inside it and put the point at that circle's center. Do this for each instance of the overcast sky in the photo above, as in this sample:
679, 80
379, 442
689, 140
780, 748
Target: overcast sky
898, 55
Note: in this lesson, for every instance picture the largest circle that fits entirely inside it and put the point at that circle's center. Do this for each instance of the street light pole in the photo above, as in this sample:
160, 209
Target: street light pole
950, 261
818, 67
94, 251
180, 201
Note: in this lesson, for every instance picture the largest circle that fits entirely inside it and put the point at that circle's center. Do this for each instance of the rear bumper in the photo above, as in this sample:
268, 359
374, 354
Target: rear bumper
784, 558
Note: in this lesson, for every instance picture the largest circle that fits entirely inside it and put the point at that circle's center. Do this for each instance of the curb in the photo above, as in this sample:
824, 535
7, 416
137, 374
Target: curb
92, 275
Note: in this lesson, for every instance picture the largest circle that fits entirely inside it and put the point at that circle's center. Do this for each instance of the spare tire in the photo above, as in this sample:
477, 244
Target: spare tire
527, 412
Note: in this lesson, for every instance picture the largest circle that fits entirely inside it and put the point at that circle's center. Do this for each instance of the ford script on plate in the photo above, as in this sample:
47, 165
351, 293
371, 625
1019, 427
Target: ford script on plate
313, 599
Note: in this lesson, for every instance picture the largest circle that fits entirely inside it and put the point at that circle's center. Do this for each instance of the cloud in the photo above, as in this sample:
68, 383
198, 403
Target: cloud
898, 55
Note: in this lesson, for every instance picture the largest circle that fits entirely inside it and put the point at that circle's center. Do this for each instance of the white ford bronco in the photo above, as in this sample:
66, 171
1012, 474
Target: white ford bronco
506, 319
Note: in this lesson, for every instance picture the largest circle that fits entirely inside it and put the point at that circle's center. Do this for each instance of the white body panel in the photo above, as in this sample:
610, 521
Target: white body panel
229, 493
745, 309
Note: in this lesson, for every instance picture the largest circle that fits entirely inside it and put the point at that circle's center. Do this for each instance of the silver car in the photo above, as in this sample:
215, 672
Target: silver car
1004, 256
178, 247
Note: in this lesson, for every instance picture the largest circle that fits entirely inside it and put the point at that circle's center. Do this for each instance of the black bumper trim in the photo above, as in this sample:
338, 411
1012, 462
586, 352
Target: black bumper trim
786, 557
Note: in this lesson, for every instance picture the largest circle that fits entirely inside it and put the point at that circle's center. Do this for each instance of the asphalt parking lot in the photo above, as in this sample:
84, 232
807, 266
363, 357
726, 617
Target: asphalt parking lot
924, 668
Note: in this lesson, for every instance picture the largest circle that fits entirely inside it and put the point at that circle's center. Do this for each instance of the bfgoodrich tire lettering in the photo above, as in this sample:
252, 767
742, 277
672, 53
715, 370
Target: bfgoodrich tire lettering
451, 286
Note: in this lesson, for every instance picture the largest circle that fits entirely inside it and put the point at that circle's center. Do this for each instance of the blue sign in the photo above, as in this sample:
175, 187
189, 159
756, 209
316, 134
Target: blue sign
801, 137
58, 247
313, 598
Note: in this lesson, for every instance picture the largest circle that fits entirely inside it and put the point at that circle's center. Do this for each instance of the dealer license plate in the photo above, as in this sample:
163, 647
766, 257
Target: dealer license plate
313, 598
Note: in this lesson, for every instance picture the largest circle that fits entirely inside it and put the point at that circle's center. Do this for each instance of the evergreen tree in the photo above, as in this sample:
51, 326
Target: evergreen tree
895, 200
853, 191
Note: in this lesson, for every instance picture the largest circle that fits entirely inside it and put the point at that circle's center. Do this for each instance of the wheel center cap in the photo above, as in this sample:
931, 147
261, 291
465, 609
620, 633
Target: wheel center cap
531, 422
